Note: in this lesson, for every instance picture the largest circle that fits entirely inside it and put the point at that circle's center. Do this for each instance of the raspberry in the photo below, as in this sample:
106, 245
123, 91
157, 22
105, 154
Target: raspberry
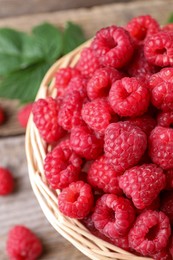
62, 166
77, 83
129, 97
145, 122
113, 46
124, 145
150, 233
22, 243
155, 205
161, 89
158, 49
6, 181
85, 143
166, 204
88, 63
113, 215
122, 242
167, 27
45, 116
141, 27
63, 78
143, 184
101, 82
23, 114
76, 201
160, 147
103, 176
2, 116
165, 119
169, 179
97, 114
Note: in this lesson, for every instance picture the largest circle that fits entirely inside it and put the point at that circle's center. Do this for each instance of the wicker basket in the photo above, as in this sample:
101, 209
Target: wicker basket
36, 150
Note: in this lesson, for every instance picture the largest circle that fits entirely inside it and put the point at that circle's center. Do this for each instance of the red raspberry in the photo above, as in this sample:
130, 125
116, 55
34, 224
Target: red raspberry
145, 122
169, 179
122, 242
6, 181
77, 83
150, 233
85, 143
22, 243
165, 119
62, 166
161, 89
2, 116
168, 27
160, 147
101, 82
88, 63
23, 114
113, 215
129, 97
143, 184
63, 78
124, 145
166, 204
113, 46
45, 116
76, 201
141, 27
97, 115
103, 176
158, 49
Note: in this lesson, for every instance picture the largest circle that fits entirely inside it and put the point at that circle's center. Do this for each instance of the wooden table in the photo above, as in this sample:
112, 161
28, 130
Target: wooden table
21, 207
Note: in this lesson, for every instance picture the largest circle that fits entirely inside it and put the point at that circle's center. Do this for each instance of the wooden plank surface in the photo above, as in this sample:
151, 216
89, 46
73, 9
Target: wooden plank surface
21, 207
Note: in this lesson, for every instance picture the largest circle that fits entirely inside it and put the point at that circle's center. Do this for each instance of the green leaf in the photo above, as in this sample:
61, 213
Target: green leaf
73, 37
170, 19
50, 40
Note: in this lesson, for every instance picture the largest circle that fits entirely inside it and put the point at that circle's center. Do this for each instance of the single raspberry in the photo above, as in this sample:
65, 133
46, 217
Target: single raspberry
113, 46
129, 97
22, 243
6, 181
150, 233
2, 115
88, 63
158, 49
70, 111
85, 143
141, 27
45, 116
62, 166
63, 78
113, 216
76, 201
160, 147
165, 119
23, 114
145, 122
142, 184
103, 176
101, 82
97, 115
161, 89
166, 204
124, 145
169, 179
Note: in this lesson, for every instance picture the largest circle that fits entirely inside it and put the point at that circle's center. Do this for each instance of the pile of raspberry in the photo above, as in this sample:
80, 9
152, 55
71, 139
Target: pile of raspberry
110, 132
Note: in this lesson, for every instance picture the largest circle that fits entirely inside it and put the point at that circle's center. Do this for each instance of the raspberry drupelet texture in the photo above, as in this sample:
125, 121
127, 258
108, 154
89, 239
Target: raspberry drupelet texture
113, 46
103, 176
150, 233
62, 166
2, 116
85, 143
22, 243
160, 147
160, 85
165, 119
158, 49
88, 63
78, 84
23, 114
76, 201
124, 145
113, 216
141, 27
163, 255
143, 184
97, 115
129, 97
6, 181
101, 81
166, 204
45, 116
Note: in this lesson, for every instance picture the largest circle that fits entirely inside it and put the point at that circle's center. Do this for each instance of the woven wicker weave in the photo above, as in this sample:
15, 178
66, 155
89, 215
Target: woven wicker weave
36, 150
